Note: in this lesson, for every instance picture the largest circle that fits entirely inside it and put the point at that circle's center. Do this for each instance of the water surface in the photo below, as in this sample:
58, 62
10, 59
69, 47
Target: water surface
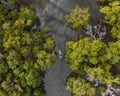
51, 14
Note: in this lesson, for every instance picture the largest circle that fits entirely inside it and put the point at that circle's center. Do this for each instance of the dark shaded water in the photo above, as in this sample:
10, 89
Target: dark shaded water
51, 14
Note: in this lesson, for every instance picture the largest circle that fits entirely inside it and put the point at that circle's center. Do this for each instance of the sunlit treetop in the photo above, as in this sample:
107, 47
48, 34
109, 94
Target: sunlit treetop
24, 53
85, 50
112, 17
78, 18
79, 87
92, 60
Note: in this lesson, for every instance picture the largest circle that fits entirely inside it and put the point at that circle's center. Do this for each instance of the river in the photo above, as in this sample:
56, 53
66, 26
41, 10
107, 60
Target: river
51, 14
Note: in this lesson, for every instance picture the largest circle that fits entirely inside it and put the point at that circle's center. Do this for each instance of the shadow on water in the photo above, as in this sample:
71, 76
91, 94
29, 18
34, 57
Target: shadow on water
51, 14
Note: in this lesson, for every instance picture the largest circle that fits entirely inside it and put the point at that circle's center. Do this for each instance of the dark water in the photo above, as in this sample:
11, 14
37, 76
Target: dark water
51, 14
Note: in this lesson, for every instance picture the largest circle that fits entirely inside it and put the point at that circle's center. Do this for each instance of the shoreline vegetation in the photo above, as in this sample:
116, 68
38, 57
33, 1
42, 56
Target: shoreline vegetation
26, 51
95, 63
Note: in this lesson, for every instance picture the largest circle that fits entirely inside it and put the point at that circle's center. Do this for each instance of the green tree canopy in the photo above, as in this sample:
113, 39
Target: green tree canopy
113, 52
24, 53
112, 14
80, 87
92, 60
85, 50
78, 18
95, 64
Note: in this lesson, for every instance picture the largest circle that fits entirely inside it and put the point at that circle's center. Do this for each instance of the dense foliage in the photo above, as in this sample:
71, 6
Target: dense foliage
95, 64
24, 53
92, 60
112, 17
78, 18
80, 87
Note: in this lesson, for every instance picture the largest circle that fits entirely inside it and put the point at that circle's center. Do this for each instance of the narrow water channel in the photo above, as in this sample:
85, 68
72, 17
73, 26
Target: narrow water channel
51, 14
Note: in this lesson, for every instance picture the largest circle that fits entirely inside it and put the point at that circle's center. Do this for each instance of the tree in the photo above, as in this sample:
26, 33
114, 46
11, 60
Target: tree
100, 74
79, 87
94, 62
24, 53
113, 52
45, 59
78, 18
77, 52
112, 12
90, 59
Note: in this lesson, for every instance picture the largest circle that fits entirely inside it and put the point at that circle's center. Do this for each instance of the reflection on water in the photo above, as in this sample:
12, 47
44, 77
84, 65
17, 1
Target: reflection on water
51, 13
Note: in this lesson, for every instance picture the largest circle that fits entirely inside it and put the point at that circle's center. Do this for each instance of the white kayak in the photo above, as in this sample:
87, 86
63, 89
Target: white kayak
60, 54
